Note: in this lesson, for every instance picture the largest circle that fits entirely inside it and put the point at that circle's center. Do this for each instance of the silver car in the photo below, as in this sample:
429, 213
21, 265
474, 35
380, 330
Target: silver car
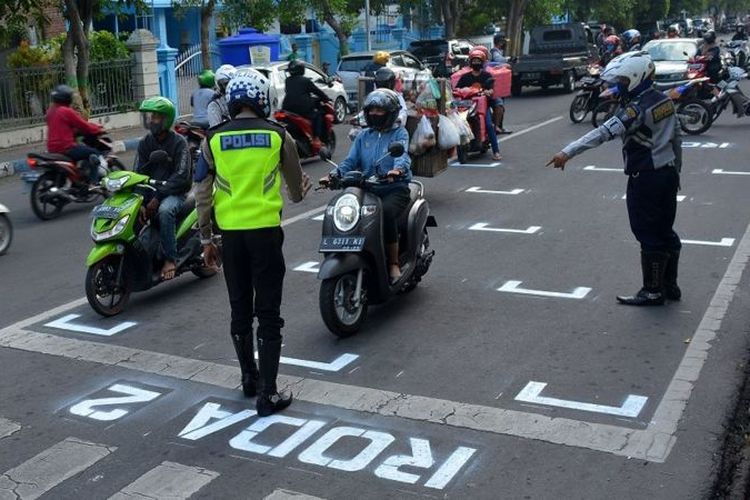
405, 64
276, 73
670, 57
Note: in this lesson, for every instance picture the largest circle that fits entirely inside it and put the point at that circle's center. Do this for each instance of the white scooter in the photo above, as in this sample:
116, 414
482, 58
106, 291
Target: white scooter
6, 229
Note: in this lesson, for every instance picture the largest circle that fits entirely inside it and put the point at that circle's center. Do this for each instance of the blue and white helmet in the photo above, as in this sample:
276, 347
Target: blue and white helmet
249, 88
631, 35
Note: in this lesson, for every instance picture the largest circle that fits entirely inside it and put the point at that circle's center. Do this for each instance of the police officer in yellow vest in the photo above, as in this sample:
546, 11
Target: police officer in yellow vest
245, 159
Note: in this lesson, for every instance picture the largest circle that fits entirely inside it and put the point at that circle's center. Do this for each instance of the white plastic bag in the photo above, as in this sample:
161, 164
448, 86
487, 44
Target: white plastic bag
448, 135
464, 130
423, 138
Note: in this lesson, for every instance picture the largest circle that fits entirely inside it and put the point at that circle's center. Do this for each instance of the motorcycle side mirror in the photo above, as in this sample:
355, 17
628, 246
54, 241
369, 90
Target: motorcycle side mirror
396, 149
325, 154
158, 156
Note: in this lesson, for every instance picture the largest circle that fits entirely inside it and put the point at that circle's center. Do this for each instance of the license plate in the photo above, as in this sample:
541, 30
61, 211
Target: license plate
342, 244
531, 76
105, 212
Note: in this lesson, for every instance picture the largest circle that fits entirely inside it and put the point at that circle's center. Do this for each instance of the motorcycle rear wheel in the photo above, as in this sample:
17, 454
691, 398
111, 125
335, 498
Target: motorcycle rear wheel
339, 314
6, 233
579, 108
100, 278
46, 209
695, 116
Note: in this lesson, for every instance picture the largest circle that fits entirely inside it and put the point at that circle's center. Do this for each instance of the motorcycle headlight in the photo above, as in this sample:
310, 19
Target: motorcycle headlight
346, 212
110, 233
114, 185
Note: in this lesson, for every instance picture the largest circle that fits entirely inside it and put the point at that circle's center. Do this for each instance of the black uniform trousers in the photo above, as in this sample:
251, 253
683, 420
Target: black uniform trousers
254, 270
652, 206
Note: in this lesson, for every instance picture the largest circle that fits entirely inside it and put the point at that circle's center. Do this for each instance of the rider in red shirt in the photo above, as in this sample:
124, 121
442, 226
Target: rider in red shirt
64, 124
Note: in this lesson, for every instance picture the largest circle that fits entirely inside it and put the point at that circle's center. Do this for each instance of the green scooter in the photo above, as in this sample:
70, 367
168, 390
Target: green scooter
127, 256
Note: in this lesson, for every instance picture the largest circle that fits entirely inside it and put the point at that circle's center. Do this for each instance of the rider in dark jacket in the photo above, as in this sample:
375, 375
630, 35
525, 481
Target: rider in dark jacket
300, 98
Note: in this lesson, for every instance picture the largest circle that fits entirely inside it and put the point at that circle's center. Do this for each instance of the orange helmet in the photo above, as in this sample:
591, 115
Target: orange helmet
381, 57
478, 53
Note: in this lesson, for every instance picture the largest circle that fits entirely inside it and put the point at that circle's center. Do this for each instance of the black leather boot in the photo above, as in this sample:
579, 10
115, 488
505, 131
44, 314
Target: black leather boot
653, 265
243, 346
270, 400
671, 290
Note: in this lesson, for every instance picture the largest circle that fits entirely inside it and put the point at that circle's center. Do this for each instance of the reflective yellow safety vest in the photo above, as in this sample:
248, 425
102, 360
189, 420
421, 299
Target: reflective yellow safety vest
247, 156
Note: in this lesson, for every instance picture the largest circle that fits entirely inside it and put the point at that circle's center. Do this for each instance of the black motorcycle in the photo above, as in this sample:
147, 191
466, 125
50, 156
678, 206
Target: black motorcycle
586, 99
354, 271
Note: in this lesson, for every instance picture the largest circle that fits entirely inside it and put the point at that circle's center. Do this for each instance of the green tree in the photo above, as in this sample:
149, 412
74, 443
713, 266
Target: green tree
17, 15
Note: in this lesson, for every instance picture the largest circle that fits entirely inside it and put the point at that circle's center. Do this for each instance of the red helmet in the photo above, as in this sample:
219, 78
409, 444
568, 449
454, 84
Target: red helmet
478, 53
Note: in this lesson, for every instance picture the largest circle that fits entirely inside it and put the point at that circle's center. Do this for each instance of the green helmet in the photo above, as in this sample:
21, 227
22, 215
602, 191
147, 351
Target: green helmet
206, 78
160, 105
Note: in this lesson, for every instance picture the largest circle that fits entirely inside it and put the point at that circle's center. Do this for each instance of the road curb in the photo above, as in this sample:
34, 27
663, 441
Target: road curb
15, 167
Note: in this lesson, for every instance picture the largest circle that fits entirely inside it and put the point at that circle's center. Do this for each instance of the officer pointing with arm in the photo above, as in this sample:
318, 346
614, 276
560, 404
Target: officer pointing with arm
245, 159
652, 150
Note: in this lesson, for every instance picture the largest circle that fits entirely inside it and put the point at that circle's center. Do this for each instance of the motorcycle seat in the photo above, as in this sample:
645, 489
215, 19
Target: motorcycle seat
49, 157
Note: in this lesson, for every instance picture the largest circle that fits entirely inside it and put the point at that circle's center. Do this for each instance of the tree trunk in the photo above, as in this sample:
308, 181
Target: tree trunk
515, 26
449, 18
331, 20
207, 12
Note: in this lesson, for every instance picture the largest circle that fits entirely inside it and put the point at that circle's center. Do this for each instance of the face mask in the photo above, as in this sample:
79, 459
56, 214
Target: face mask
377, 121
476, 66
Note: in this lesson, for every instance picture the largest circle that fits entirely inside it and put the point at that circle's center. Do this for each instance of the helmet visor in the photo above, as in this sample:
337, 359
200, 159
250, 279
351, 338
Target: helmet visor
152, 121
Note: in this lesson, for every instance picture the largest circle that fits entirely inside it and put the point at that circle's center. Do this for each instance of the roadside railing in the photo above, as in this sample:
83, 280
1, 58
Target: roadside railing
24, 92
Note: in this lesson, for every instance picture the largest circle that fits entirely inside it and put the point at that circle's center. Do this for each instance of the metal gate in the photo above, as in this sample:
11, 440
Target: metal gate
188, 66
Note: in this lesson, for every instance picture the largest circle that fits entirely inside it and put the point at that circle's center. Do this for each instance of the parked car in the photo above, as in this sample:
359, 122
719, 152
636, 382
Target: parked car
558, 55
405, 64
276, 73
670, 56
442, 57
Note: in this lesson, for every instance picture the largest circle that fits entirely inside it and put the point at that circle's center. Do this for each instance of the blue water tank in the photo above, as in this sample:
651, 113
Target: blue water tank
236, 49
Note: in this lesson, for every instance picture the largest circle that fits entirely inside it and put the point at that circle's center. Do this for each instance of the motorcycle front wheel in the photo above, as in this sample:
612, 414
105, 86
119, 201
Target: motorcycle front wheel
579, 108
6, 233
337, 307
104, 294
695, 116
44, 204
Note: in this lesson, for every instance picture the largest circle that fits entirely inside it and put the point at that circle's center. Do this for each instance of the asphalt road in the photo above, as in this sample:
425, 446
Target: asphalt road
546, 389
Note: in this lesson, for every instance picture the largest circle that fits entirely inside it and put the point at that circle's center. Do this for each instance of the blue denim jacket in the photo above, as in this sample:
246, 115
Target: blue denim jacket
372, 145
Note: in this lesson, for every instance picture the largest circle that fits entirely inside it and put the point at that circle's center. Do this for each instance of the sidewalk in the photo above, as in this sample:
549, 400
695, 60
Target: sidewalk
13, 160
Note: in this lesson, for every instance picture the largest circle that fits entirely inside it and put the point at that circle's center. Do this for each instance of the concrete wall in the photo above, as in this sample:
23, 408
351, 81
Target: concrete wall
39, 133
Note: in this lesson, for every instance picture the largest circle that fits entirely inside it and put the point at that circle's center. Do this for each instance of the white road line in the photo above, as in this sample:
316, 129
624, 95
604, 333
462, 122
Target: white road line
8, 427
631, 407
482, 226
725, 242
66, 323
477, 189
334, 366
167, 480
475, 165
44, 471
290, 495
530, 129
594, 168
513, 287
320, 217
303, 215
721, 171
312, 266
